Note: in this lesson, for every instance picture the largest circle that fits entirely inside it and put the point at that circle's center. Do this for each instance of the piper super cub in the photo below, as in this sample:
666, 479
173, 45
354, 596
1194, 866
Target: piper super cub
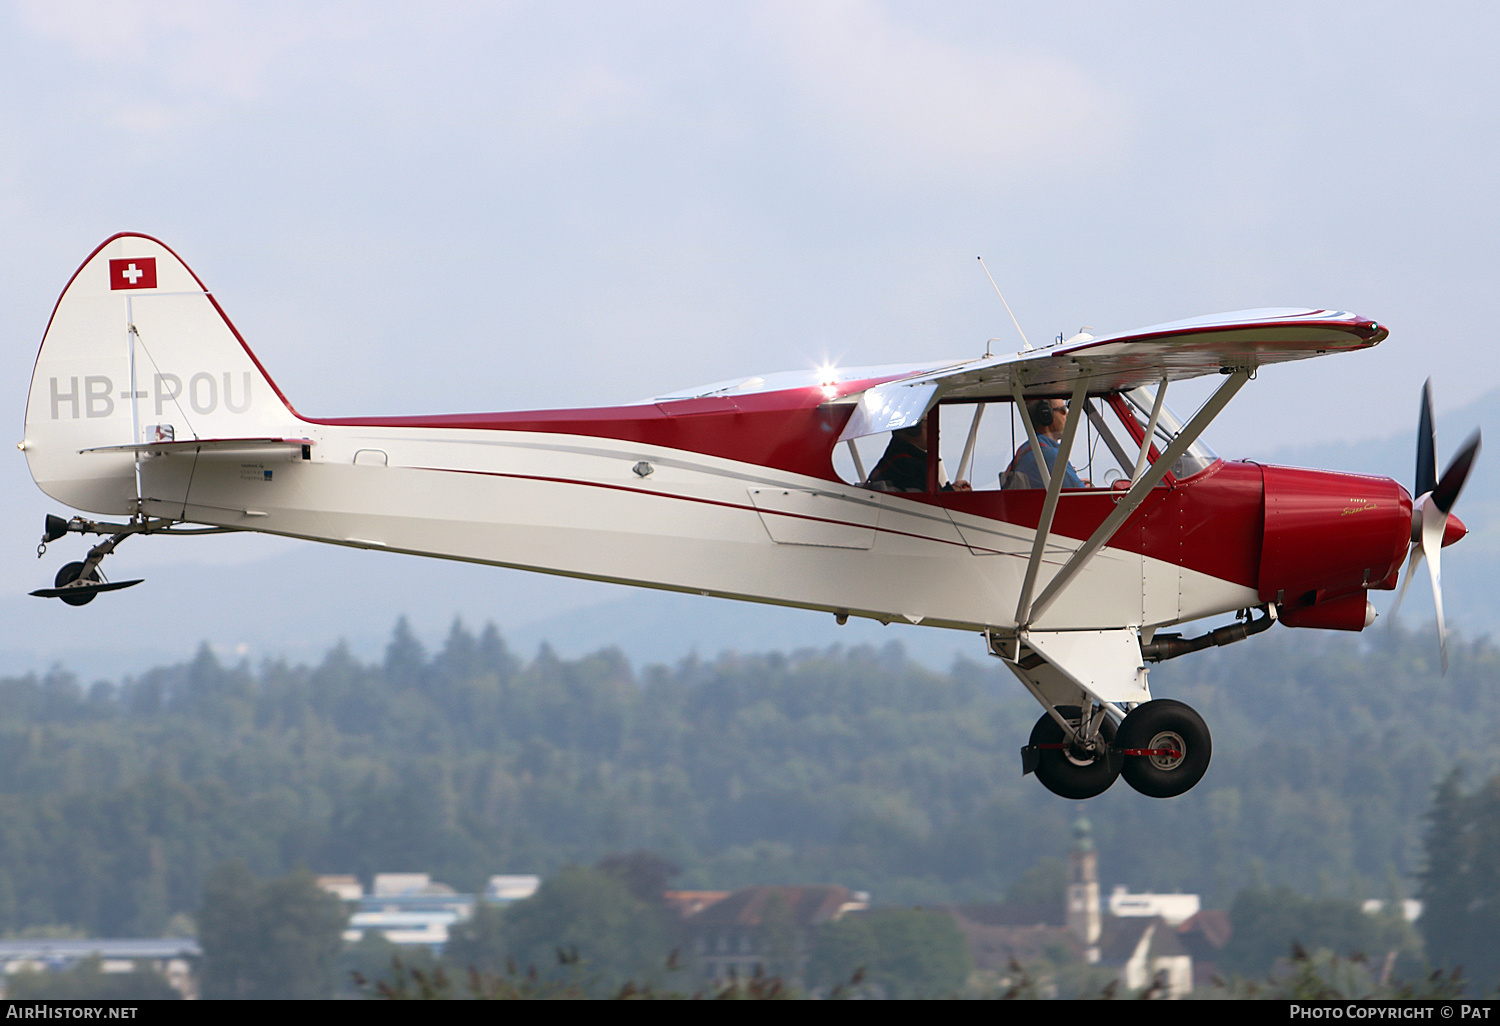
1082, 518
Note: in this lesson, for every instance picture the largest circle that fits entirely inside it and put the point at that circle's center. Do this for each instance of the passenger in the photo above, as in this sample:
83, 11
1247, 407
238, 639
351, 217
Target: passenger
1048, 416
903, 467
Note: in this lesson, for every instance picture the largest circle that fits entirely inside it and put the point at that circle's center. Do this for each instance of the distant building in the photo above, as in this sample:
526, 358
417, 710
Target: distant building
1145, 938
1176, 909
999, 934
345, 888
1083, 889
1203, 937
502, 889
689, 903
412, 908
1146, 950
761, 929
172, 957
396, 885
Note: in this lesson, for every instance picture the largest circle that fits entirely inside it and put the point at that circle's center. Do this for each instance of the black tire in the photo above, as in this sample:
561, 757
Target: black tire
1165, 724
1074, 774
67, 575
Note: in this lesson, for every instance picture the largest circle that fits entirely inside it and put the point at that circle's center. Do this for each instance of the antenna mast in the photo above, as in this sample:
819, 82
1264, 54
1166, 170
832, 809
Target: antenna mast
1013, 320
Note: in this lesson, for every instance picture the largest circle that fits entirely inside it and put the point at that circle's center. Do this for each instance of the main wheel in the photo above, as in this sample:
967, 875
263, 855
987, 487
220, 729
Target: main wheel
67, 575
1177, 746
1072, 771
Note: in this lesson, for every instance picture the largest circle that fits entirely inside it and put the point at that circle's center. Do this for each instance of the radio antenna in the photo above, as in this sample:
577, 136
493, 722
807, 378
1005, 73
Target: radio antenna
1013, 320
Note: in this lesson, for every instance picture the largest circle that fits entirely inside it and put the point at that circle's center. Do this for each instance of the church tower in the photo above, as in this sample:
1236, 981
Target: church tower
1083, 889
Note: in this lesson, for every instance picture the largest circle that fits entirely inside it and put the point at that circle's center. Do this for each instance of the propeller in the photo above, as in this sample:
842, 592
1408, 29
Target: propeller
1434, 500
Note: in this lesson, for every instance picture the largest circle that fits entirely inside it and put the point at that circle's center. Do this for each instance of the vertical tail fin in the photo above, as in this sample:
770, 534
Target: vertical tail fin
137, 350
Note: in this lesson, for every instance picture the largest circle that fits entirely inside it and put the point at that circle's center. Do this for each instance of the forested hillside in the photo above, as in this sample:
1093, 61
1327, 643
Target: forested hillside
848, 766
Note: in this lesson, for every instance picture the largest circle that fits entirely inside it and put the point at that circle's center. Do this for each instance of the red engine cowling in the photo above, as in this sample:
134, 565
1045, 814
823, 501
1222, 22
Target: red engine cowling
1328, 538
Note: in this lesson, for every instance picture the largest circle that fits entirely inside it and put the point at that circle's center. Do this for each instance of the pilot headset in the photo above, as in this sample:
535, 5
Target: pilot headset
1041, 413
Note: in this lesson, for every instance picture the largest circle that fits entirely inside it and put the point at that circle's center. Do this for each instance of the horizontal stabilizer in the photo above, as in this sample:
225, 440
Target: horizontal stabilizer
194, 445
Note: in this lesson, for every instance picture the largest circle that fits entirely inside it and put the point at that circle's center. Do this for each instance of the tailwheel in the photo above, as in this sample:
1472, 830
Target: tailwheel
70, 573
1166, 748
1077, 769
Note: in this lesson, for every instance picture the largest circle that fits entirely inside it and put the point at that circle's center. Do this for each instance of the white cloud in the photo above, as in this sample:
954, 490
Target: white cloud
916, 106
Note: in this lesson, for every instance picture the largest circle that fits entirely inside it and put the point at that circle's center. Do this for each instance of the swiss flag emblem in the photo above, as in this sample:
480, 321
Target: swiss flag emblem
139, 273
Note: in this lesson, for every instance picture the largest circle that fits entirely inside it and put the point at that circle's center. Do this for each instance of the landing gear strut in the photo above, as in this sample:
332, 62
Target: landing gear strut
77, 583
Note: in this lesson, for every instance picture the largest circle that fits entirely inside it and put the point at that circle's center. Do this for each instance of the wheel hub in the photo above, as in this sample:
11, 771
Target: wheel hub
1167, 750
1081, 755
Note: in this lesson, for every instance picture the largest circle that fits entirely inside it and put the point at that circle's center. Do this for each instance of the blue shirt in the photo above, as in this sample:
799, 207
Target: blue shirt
1022, 472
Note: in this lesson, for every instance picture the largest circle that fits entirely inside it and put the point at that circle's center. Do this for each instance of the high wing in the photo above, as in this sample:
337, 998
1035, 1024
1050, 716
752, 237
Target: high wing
1219, 343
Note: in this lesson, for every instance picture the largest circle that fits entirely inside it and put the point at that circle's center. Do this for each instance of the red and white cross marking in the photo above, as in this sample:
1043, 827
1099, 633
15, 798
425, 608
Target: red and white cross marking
139, 273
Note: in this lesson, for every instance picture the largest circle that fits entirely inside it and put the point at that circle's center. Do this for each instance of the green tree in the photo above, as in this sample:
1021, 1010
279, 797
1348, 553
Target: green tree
1269, 922
1460, 883
279, 939
1045, 883
591, 916
923, 954
843, 950
478, 942
898, 953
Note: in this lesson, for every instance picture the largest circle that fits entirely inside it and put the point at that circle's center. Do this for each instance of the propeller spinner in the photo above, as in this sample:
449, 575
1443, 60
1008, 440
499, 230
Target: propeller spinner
1432, 523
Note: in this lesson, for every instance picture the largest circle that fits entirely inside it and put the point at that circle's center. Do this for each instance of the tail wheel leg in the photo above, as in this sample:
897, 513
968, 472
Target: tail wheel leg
1166, 747
1073, 769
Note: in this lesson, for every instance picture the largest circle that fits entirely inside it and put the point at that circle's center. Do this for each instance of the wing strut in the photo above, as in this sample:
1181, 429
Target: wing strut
1054, 489
1132, 499
1140, 463
1036, 449
963, 463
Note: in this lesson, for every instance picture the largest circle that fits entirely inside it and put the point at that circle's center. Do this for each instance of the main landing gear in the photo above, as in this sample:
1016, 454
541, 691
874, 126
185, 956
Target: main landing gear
1100, 721
1162, 748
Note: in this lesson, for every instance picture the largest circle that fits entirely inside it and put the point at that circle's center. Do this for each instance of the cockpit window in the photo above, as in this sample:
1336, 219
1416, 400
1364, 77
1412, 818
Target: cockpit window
1198, 456
993, 451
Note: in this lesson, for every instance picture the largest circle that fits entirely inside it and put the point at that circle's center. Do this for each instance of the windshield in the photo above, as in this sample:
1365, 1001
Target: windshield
1198, 456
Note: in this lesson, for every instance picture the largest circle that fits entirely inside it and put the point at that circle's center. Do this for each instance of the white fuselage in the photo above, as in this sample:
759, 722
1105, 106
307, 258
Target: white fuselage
648, 515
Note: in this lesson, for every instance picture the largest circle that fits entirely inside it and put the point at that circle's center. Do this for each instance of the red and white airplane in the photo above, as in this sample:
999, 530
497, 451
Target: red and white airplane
146, 404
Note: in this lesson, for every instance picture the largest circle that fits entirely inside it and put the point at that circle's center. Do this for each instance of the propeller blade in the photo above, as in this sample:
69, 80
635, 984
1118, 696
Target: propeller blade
1426, 445
1434, 521
1445, 492
1432, 501
1411, 568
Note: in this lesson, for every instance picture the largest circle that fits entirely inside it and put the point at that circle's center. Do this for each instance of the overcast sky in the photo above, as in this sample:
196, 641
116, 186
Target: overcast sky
470, 206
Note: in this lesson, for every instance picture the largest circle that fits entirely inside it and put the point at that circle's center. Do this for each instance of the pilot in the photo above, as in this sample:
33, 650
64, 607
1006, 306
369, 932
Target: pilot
903, 467
1048, 416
